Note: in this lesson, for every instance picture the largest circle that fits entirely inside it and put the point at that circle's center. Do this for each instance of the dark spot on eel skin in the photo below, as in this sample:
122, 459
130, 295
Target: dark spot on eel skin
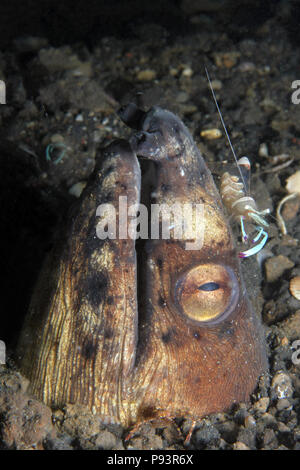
91, 242
168, 336
196, 335
162, 302
159, 262
89, 350
165, 187
220, 244
226, 330
110, 300
96, 284
108, 333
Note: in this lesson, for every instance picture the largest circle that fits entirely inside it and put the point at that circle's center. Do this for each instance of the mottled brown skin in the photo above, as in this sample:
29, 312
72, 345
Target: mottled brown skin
79, 339
88, 340
185, 367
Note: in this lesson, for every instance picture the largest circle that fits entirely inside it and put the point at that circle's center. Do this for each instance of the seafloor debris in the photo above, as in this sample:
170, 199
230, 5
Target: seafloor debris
295, 287
293, 188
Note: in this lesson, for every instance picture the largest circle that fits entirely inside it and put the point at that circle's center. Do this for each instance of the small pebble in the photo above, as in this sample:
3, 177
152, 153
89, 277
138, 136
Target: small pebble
283, 427
269, 439
228, 431
247, 436
268, 105
211, 134
187, 72
216, 84
146, 75
246, 67
290, 209
241, 414
280, 125
189, 109
263, 150
226, 59
240, 446
173, 72
276, 266
63, 59
83, 69
287, 240
222, 445
105, 440
140, 443
283, 404
295, 287
282, 385
182, 97
284, 341
269, 419
56, 138
97, 136
297, 434
262, 405
77, 188
207, 434
249, 422
291, 326
293, 183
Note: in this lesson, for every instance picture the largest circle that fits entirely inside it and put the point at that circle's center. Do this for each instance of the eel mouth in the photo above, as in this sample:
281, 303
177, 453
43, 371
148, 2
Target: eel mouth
149, 170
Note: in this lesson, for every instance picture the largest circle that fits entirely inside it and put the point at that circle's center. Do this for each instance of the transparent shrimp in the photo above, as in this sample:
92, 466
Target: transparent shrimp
236, 197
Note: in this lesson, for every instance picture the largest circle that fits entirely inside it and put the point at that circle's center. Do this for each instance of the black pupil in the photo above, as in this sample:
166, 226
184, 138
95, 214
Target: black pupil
209, 286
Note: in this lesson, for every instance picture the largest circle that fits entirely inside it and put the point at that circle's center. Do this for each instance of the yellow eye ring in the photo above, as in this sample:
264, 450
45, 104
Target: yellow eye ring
207, 293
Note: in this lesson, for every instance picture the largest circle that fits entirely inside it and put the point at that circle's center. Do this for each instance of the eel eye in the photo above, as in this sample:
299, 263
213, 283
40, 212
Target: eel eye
209, 286
208, 293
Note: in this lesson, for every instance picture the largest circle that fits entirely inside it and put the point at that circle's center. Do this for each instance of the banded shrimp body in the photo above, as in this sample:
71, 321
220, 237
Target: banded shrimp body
236, 197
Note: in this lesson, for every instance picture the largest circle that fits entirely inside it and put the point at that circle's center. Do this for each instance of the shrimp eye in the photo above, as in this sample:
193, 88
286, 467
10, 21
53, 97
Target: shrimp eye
208, 293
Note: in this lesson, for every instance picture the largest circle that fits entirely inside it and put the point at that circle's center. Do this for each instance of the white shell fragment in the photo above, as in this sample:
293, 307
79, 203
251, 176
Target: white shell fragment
295, 287
293, 188
263, 150
77, 188
293, 183
281, 385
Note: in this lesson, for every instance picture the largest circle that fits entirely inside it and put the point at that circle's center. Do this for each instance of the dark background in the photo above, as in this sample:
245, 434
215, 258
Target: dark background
25, 213
64, 22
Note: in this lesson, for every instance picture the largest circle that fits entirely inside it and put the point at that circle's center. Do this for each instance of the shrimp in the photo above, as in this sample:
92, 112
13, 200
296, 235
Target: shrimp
236, 197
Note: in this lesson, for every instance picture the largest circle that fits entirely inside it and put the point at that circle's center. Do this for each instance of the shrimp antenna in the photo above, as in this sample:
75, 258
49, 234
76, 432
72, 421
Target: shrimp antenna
225, 129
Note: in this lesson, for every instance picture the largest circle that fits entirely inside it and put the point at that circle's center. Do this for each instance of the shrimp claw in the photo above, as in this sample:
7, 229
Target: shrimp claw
263, 235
